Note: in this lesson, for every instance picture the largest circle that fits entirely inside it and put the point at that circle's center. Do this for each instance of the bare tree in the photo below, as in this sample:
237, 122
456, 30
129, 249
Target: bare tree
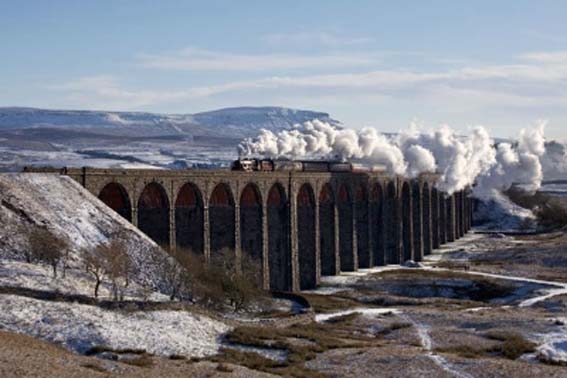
118, 267
111, 260
48, 248
95, 262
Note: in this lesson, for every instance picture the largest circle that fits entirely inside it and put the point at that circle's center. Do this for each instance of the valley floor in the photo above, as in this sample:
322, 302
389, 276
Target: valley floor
485, 306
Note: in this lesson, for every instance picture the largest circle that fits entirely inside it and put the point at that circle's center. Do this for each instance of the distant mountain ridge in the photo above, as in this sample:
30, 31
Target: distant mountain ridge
234, 122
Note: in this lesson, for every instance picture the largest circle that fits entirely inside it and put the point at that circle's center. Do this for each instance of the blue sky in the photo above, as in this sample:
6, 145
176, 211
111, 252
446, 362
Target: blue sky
501, 64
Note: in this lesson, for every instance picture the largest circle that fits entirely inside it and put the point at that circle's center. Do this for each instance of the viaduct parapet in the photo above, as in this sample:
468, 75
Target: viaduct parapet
299, 225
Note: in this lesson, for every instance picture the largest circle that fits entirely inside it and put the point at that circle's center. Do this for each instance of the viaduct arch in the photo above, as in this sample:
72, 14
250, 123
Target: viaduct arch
299, 226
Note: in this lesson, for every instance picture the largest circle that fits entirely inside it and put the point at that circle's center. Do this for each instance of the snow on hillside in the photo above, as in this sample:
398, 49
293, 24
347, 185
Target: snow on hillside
255, 118
81, 327
68, 210
501, 214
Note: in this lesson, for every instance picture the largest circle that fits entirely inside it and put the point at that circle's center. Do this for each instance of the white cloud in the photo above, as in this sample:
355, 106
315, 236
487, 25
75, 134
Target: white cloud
537, 82
552, 57
315, 38
105, 92
207, 60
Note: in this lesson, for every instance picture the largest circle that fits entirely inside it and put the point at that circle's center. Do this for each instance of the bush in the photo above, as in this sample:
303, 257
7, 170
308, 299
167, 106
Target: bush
222, 281
513, 344
47, 248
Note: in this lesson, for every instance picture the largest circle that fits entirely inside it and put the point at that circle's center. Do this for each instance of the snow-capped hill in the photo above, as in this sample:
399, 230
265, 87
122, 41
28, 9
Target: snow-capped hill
229, 122
255, 118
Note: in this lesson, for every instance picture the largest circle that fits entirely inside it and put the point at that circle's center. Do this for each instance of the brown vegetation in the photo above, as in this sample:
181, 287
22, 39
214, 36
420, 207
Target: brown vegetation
513, 344
222, 281
301, 341
47, 248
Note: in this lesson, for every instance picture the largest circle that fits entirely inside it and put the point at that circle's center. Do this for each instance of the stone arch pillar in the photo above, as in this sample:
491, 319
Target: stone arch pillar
450, 225
407, 223
435, 219
327, 230
392, 224
377, 224
426, 220
346, 227
189, 209
279, 254
251, 231
442, 218
361, 226
306, 237
417, 221
222, 219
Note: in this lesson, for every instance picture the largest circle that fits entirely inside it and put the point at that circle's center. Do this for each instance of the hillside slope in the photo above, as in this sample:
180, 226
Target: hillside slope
61, 205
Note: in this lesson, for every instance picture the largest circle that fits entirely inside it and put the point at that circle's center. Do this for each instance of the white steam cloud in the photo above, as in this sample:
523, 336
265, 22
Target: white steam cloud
460, 161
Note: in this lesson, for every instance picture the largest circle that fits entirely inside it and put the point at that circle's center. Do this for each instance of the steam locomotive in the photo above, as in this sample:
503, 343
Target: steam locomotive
269, 165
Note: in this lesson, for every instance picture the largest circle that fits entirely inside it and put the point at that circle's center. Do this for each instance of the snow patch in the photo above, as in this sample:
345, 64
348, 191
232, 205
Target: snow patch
554, 347
364, 311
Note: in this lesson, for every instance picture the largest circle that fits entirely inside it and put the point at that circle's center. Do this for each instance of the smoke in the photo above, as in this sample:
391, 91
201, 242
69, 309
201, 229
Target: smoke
520, 164
461, 161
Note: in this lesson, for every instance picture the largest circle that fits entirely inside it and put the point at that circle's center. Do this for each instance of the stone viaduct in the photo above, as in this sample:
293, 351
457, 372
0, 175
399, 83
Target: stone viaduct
299, 225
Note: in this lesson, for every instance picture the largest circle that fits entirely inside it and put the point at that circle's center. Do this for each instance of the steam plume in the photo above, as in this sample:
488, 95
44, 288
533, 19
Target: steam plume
460, 161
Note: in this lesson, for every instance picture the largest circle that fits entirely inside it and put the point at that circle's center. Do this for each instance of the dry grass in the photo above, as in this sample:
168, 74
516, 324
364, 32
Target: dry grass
513, 344
95, 367
466, 351
340, 333
144, 360
330, 303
